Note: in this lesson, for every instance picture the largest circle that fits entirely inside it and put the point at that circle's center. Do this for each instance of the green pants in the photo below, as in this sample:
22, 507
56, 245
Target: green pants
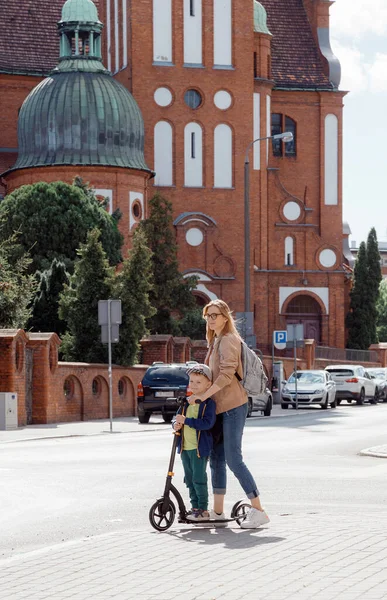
195, 478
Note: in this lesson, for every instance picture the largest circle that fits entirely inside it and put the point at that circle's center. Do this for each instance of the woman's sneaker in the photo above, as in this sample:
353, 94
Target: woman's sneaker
215, 517
254, 519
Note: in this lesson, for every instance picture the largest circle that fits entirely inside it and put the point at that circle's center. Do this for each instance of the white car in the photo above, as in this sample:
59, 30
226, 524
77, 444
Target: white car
353, 383
313, 387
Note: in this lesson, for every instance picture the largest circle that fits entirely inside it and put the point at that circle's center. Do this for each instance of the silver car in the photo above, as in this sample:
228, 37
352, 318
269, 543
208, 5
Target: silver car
313, 387
262, 402
379, 375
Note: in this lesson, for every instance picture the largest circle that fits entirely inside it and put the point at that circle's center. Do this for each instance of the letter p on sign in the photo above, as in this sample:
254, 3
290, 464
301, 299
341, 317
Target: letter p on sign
279, 339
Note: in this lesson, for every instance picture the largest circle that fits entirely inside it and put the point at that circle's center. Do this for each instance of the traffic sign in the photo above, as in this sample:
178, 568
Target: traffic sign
279, 339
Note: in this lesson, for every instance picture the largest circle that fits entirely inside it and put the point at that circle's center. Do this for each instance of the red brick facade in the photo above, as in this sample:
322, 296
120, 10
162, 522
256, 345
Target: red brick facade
287, 70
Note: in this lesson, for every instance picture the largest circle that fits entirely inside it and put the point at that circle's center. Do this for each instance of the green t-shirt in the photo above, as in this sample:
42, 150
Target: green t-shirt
190, 441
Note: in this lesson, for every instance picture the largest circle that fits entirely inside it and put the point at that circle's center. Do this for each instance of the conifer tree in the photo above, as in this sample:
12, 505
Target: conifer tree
17, 287
381, 307
171, 292
358, 318
46, 304
132, 286
374, 278
78, 305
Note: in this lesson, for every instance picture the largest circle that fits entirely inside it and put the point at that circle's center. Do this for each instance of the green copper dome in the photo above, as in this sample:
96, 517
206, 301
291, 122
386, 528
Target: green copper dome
83, 11
260, 18
79, 114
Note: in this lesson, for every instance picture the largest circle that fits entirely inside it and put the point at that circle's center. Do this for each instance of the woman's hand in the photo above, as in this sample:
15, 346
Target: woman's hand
192, 399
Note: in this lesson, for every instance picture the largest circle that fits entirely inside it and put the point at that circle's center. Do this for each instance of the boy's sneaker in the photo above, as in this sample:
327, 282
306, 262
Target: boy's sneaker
198, 515
254, 519
222, 517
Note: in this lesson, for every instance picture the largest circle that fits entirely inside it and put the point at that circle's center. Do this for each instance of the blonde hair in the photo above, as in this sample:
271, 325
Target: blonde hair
229, 326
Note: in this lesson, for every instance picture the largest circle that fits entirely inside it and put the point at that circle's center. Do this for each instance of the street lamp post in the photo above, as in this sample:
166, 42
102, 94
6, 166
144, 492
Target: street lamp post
248, 317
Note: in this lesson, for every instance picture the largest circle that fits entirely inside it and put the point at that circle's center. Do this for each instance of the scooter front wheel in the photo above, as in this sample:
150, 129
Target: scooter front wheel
162, 519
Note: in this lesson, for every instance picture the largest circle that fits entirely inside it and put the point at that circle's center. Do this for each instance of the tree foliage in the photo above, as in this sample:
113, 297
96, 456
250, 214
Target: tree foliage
192, 325
17, 287
133, 286
53, 220
381, 307
91, 281
171, 293
358, 318
374, 272
46, 304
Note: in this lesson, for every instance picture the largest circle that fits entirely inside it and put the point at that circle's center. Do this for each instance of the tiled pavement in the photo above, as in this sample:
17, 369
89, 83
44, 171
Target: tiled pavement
298, 557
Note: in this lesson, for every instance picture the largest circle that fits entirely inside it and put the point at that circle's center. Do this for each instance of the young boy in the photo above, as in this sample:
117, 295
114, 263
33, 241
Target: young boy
195, 443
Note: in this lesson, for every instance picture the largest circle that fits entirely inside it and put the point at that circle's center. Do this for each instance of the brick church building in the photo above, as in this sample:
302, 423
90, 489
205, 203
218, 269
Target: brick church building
166, 95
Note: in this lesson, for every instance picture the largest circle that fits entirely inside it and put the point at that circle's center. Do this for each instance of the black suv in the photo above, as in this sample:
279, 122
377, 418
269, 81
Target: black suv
161, 390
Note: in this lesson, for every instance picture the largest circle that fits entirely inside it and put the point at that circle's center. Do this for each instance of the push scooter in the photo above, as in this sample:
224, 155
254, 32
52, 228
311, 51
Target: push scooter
163, 512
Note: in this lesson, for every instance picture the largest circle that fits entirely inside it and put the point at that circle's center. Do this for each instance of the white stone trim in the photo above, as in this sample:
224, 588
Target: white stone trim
223, 33
223, 156
133, 197
331, 160
163, 153
193, 33
162, 31
106, 194
257, 131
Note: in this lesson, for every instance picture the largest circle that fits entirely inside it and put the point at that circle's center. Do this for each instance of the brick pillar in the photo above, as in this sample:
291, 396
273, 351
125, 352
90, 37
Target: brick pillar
181, 349
381, 349
310, 353
45, 348
199, 350
156, 348
13, 368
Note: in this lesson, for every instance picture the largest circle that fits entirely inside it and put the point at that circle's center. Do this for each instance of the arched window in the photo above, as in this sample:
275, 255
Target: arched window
163, 153
193, 32
193, 155
223, 156
289, 251
279, 124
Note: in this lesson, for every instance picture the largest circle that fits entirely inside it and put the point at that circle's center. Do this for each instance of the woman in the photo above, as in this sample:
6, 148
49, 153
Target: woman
224, 359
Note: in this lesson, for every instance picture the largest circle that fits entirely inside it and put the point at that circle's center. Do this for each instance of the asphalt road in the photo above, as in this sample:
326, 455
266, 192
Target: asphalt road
65, 489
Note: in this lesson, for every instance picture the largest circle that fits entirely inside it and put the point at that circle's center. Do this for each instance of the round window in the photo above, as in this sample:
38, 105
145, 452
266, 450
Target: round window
96, 386
292, 211
122, 387
194, 236
137, 210
68, 388
222, 100
163, 96
193, 98
327, 258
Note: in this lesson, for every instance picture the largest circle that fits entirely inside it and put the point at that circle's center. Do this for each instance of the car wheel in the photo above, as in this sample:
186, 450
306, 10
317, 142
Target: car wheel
324, 404
349, 400
334, 403
167, 418
338, 402
249, 408
360, 401
285, 406
374, 400
144, 418
267, 411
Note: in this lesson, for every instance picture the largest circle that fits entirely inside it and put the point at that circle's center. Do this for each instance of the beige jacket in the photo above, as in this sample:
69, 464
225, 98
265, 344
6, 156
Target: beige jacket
224, 359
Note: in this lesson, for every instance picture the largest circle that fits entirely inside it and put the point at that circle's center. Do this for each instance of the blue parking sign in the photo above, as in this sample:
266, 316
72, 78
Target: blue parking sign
279, 339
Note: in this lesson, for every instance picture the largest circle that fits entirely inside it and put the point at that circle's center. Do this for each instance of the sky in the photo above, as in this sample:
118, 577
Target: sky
359, 40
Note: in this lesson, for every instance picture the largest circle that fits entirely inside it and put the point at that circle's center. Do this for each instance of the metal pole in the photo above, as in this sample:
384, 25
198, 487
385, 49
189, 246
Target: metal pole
110, 366
295, 364
247, 236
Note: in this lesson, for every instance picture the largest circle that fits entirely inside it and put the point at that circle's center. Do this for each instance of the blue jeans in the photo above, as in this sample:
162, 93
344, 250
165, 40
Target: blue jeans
229, 452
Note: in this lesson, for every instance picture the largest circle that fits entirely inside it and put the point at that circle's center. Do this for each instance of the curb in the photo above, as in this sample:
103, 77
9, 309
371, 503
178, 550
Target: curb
376, 451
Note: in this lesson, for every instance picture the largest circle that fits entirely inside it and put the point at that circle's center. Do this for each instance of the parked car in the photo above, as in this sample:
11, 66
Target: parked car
313, 387
380, 377
262, 402
161, 390
353, 383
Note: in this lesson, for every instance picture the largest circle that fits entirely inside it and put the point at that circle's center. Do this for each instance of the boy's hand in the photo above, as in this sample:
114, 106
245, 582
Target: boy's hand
177, 426
180, 420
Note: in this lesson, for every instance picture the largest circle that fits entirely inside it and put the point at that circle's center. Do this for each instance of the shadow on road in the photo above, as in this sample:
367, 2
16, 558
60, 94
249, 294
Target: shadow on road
228, 537
314, 417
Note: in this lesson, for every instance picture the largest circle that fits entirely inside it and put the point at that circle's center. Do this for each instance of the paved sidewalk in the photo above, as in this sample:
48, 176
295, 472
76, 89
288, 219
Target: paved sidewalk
298, 557
102, 426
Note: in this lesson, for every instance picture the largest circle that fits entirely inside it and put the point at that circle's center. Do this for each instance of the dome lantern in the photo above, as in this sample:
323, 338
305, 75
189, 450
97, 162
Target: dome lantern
80, 30
260, 19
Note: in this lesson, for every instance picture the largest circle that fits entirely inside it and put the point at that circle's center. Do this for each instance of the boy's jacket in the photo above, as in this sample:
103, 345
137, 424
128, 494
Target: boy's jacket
203, 425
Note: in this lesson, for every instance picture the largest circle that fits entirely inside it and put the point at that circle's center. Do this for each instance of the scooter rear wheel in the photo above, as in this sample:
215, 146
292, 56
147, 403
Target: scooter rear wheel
159, 519
240, 510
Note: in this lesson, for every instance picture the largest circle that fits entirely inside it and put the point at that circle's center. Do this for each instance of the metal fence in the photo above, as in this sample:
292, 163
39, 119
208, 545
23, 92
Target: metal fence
347, 355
